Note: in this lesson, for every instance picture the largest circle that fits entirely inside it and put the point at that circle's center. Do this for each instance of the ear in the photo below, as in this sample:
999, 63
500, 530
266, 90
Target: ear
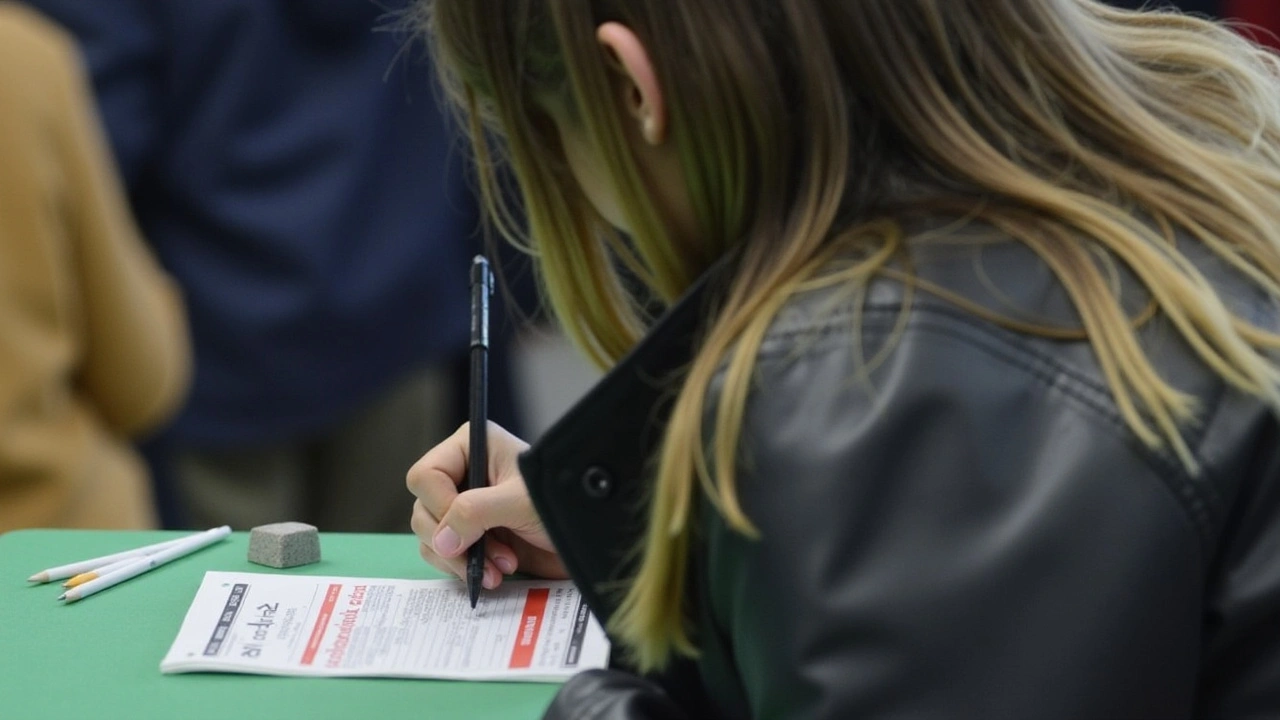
643, 96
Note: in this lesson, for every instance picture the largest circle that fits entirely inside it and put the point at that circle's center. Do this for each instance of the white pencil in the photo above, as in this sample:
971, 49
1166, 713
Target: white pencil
72, 569
144, 564
96, 573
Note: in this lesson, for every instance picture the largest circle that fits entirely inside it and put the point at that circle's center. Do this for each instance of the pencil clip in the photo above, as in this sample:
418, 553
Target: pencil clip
481, 289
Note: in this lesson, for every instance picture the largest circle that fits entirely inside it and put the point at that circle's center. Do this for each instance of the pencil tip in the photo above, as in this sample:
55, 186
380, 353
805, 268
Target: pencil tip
38, 578
63, 596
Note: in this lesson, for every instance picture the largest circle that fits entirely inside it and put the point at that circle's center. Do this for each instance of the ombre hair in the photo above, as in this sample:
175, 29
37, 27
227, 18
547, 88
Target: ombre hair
1093, 136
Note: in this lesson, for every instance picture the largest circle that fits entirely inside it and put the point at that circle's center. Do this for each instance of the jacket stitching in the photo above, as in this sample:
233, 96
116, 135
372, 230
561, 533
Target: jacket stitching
1051, 374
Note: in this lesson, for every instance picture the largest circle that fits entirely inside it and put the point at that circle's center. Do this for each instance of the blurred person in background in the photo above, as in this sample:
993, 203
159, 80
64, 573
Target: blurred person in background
93, 340
290, 166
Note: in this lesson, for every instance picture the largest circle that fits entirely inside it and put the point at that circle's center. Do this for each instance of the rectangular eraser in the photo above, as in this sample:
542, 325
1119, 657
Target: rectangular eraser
284, 545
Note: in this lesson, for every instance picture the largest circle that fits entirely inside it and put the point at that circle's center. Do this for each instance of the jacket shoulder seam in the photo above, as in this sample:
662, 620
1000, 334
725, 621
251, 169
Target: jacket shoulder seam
1197, 503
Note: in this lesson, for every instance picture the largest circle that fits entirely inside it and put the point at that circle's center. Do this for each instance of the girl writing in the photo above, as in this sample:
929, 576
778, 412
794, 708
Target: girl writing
941, 343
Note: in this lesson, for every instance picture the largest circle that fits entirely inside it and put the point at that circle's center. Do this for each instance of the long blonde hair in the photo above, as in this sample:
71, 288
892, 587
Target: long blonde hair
1074, 128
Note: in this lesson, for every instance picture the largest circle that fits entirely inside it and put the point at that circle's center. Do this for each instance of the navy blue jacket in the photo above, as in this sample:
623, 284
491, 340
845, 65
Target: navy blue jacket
292, 169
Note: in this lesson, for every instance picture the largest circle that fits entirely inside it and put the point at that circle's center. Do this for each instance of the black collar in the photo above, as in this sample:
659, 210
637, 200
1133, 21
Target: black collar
588, 475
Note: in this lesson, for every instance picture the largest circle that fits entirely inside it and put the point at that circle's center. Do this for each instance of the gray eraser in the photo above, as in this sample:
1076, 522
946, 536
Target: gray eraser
284, 545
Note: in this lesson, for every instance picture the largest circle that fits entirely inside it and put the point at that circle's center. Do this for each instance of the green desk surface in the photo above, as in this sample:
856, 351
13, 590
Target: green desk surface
100, 657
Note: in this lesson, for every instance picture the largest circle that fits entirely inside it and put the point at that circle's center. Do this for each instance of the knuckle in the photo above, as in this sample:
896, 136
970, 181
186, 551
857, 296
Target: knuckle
421, 521
464, 512
417, 476
435, 480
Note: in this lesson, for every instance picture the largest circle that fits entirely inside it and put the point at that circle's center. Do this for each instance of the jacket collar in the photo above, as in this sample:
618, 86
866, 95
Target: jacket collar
588, 474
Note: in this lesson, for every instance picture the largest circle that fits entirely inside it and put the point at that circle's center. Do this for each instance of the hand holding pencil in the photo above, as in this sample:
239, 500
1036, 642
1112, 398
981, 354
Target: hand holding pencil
499, 533
515, 540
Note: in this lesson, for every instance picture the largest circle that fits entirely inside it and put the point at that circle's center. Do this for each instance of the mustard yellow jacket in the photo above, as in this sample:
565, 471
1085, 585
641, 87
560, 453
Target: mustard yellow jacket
94, 348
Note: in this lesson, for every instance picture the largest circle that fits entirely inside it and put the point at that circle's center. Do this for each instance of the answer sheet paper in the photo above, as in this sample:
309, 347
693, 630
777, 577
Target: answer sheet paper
271, 624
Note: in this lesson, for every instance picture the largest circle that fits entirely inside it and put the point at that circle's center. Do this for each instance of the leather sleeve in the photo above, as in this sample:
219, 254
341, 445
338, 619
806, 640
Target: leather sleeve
1241, 675
612, 695
971, 534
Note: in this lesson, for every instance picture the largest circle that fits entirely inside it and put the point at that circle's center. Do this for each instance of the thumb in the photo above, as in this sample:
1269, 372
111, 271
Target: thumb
475, 511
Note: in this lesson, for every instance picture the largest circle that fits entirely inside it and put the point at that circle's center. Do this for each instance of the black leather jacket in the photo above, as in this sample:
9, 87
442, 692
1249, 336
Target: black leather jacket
974, 534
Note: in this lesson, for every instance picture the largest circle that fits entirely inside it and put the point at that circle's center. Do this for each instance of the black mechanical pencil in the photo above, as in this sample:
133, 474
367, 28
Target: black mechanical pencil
478, 466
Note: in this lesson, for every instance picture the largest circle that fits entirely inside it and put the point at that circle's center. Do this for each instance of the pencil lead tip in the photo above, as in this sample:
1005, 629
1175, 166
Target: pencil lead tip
38, 578
475, 577
63, 596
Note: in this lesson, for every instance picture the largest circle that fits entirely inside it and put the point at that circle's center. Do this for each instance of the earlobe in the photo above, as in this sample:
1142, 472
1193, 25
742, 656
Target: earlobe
644, 96
649, 128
